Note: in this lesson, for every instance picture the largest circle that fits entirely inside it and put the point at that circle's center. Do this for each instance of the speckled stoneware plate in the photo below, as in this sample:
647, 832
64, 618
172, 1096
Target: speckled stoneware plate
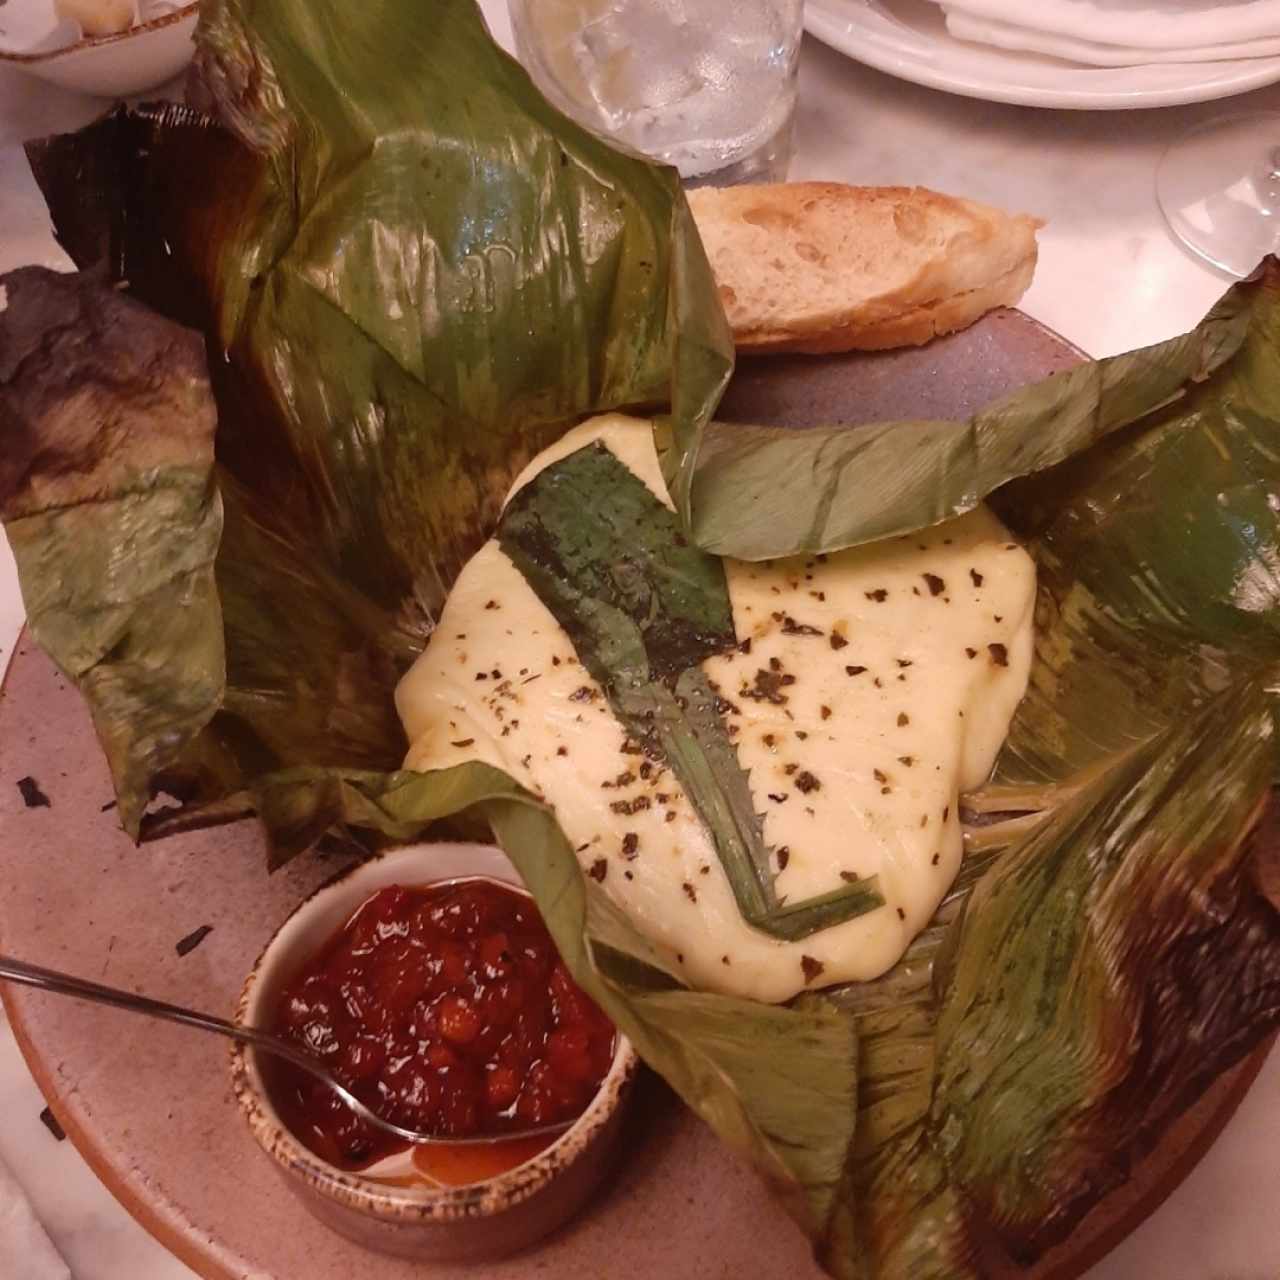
150, 1106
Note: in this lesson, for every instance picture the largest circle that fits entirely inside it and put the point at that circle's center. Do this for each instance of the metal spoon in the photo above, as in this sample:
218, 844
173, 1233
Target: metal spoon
65, 984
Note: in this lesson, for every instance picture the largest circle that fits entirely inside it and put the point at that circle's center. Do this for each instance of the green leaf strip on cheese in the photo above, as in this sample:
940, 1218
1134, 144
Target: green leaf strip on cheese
643, 607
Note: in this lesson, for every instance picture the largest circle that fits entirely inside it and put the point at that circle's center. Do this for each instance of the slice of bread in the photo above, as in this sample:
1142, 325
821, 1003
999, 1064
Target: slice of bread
820, 267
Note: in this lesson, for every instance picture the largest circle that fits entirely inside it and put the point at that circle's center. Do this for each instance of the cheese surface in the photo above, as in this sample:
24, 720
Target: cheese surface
870, 687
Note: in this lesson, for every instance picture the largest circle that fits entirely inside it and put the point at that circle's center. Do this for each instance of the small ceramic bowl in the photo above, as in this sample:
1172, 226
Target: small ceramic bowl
35, 40
484, 1220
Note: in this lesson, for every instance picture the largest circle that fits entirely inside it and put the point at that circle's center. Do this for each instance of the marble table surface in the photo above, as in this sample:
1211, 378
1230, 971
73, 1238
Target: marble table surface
1110, 278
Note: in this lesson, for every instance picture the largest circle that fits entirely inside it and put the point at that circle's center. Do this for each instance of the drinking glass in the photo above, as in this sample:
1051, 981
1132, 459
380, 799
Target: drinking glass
1219, 189
708, 86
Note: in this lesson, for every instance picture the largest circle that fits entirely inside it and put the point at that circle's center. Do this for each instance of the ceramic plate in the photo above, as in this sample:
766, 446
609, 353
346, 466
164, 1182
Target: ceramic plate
150, 1105
34, 39
908, 39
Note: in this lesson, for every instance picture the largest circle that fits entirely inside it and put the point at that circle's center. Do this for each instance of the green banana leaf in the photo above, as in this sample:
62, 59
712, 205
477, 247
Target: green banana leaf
1076, 991
758, 492
115, 530
643, 608
411, 273
403, 300
1103, 958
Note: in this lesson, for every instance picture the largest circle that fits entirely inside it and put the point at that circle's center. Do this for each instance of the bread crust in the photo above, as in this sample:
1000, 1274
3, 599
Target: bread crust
823, 267
911, 328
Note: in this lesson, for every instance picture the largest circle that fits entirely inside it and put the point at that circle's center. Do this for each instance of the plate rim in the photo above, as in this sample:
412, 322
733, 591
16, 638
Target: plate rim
839, 24
32, 59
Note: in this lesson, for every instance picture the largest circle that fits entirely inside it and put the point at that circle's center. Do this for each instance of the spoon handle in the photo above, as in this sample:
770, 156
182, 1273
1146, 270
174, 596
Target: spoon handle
33, 975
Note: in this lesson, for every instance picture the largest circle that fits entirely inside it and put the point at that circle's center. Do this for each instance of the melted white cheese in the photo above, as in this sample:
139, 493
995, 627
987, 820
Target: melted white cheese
858, 738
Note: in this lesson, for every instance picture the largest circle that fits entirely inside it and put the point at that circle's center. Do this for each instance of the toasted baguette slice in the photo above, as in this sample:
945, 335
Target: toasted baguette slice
817, 266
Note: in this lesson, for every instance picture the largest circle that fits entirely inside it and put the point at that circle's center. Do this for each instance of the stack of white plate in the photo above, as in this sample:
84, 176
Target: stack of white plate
1087, 54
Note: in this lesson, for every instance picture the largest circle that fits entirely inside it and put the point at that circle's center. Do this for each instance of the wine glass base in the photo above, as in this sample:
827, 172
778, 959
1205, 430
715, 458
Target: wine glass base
1218, 187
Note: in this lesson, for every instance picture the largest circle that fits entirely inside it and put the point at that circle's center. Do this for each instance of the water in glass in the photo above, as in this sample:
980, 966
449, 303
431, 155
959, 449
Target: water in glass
706, 85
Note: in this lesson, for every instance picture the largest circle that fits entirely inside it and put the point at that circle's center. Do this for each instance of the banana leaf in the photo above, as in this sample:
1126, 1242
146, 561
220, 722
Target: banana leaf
1104, 957
643, 608
757, 492
411, 273
114, 528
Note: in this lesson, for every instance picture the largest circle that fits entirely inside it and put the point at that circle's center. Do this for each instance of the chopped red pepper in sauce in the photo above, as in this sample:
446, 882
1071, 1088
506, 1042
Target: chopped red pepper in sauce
444, 1008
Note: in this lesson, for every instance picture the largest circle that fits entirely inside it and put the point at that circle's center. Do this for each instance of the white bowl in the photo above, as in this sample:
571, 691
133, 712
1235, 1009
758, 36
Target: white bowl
484, 1220
136, 61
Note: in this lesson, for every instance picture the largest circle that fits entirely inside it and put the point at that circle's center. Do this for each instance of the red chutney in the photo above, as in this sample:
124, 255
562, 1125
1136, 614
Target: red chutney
444, 1008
